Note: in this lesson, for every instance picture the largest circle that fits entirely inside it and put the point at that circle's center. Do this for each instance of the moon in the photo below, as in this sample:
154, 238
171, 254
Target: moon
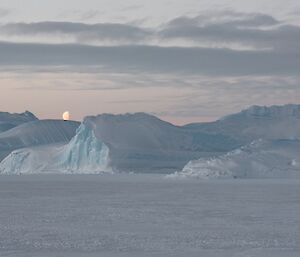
66, 115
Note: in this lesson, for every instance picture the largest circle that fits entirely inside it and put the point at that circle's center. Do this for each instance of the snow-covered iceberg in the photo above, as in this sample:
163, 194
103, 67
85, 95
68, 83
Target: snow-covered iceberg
131, 142
36, 133
30, 160
83, 154
260, 159
143, 143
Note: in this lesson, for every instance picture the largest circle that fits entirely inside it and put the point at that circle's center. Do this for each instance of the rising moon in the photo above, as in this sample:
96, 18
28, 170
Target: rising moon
66, 115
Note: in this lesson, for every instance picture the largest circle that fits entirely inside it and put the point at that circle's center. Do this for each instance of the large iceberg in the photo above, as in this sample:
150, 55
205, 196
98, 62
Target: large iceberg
143, 143
83, 154
129, 143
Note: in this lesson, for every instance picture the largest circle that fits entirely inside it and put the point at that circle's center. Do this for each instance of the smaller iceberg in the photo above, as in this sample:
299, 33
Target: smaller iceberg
260, 159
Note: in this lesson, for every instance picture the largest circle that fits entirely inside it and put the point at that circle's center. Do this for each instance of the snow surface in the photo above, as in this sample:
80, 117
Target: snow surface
260, 159
147, 215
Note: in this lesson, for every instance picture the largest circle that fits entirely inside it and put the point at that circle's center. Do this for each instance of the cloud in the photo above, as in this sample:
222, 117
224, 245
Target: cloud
153, 59
89, 15
256, 30
79, 15
226, 17
133, 7
216, 97
275, 46
4, 12
82, 32
229, 29
202, 57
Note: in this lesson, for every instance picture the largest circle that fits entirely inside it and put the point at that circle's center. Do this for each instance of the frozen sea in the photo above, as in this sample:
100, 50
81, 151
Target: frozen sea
147, 215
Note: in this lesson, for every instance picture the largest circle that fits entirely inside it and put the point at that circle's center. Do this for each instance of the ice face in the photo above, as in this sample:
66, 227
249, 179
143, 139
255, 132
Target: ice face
85, 153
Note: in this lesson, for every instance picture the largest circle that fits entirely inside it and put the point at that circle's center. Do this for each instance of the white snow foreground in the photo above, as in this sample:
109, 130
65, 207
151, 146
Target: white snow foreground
83, 154
260, 159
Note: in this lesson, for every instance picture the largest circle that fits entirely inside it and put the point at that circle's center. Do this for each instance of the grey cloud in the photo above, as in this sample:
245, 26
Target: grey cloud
255, 31
284, 38
281, 40
132, 7
82, 31
80, 15
153, 59
244, 30
4, 12
226, 17
89, 15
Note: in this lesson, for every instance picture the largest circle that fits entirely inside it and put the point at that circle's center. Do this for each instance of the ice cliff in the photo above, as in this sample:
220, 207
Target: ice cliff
84, 154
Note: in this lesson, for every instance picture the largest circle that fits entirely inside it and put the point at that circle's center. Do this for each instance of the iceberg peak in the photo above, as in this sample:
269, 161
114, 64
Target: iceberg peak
85, 152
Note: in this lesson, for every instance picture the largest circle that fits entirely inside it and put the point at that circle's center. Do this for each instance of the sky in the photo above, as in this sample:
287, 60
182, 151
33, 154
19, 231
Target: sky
184, 61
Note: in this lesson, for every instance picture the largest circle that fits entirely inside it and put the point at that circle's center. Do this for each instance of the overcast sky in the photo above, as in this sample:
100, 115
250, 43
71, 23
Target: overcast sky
185, 61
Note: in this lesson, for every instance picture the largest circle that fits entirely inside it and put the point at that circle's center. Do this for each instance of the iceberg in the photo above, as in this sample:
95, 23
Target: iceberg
129, 143
83, 154
256, 142
260, 159
256, 122
36, 133
11, 120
